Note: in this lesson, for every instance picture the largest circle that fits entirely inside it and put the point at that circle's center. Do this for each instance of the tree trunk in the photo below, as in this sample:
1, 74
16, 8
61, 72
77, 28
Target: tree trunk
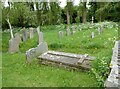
84, 16
84, 12
100, 18
34, 6
11, 32
68, 19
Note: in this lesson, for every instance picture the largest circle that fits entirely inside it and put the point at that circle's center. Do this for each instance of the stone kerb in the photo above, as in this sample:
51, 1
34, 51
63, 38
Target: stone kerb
113, 79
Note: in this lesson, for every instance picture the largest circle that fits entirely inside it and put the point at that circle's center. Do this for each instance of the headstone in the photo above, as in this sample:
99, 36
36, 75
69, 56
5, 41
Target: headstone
102, 29
13, 45
34, 30
30, 54
73, 29
61, 34
31, 33
18, 38
25, 34
68, 32
99, 31
41, 48
92, 35
40, 37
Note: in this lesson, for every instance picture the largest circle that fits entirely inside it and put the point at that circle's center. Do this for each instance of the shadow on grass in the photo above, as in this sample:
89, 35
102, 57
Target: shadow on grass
56, 46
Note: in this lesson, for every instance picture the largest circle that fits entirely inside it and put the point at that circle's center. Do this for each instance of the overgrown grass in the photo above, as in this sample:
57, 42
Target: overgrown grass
80, 43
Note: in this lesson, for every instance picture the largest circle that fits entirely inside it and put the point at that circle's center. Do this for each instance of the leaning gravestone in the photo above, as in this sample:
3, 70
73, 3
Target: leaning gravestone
92, 35
13, 45
31, 33
18, 38
68, 32
61, 34
25, 34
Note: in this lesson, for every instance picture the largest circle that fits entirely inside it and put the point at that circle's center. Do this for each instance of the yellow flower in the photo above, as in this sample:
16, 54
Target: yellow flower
110, 65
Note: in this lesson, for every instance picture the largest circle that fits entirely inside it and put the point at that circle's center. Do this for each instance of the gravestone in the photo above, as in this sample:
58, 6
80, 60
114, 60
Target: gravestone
13, 45
61, 34
92, 35
40, 37
25, 34
30, 54
72, 61
99, 30
31, 33
102, 29
68, 32
18, 38
73, 29
41, 48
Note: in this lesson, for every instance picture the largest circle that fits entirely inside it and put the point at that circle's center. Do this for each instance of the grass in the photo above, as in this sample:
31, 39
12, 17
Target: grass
17, 73
15, 68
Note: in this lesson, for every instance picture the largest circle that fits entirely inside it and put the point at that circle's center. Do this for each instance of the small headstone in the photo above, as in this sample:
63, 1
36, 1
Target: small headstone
30, 54
13, 45
25, 34
73, 30
40, 37
18, 38
68, 32
61, 34
99, 31
31, 33
41, 48
34, 31
102, 29
92, 35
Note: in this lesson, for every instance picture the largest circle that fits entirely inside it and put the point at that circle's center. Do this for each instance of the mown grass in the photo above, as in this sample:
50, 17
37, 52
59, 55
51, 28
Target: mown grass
15, 69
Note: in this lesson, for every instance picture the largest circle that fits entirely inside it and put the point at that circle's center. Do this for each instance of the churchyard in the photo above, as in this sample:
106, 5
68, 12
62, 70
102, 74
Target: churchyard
48, 43
81, 42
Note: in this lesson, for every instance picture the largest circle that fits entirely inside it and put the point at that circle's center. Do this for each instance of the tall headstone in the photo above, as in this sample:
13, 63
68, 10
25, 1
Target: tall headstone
40, 37
31, 33
25, 34
61, 34
18, 38
92, 35
13, 45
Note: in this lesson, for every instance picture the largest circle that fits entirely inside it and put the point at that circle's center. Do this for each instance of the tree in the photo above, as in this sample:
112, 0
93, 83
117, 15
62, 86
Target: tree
54, 13
69, 9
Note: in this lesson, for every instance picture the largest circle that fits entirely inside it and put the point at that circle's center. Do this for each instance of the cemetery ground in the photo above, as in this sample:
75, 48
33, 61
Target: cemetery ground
15, 72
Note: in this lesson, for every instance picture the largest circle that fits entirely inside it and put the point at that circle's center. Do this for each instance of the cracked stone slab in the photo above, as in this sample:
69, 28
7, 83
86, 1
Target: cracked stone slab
74, 60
